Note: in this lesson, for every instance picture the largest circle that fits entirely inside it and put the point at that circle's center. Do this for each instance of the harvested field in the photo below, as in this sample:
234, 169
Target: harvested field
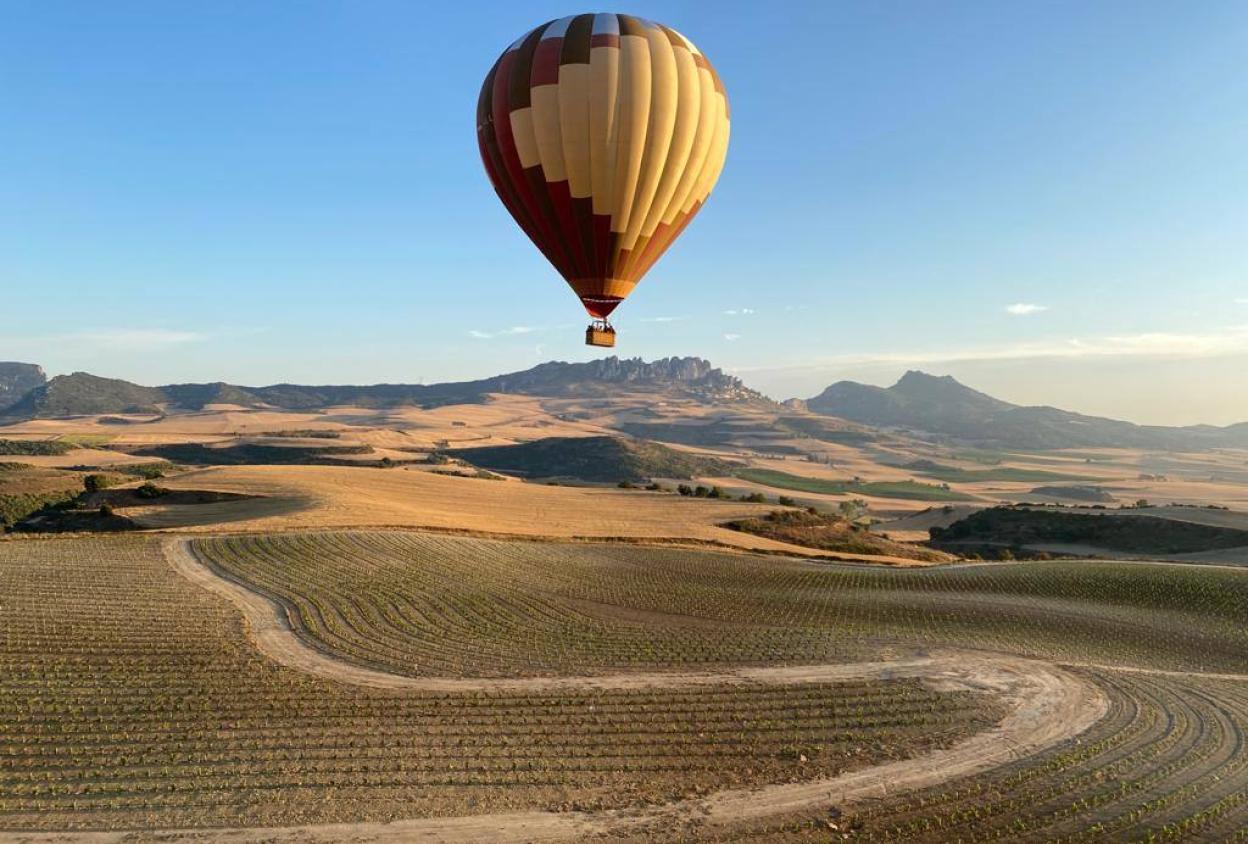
348, 497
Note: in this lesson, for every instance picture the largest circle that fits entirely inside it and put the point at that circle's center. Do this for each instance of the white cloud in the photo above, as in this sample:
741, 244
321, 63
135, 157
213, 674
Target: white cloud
1243, 301
1232, 340
662, 319
738, 312
731, 337
135, 339
506, 332
1025, 309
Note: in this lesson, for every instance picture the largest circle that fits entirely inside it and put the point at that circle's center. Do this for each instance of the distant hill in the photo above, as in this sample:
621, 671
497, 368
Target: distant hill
18, 379
942, 406
81, 394
1023, 527
594, 459
1072, 493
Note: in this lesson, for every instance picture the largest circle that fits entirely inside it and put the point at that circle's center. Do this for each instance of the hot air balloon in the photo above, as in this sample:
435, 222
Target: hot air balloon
603, 136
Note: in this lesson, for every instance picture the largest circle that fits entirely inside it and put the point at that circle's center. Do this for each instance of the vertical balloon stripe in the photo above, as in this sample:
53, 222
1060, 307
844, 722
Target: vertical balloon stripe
684, 131
574, 100
494, 167
664, 90
704, 136
604, 86
632, 118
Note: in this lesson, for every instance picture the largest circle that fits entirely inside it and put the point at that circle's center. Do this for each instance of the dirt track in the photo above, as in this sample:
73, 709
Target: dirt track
1047, 704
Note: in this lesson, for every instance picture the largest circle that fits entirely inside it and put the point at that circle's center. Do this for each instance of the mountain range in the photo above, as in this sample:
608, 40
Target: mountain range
83, 394
918, 404
942, 406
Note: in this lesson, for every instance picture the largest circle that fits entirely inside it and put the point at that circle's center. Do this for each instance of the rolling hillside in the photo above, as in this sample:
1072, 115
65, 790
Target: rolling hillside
595, 459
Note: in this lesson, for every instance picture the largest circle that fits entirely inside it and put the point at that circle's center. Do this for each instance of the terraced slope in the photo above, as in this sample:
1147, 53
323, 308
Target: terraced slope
129, 697
433, 606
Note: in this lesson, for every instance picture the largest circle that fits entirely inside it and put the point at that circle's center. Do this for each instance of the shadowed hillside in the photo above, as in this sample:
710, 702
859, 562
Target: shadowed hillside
1022, 527
595, 459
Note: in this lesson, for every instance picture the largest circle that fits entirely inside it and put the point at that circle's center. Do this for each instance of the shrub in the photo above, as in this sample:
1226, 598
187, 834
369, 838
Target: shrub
95, 483
755, 498
685, 489
786, 501
150, 490
106, 510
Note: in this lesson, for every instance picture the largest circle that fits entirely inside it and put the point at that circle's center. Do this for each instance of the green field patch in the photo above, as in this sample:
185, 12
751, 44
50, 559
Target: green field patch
880, 489
953, 474
85, 440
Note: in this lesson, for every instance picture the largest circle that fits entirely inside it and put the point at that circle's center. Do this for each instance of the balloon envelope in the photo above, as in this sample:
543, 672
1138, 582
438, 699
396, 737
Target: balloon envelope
603, 135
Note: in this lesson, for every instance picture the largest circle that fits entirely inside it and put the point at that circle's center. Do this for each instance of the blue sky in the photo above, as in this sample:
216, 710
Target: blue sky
1048, 200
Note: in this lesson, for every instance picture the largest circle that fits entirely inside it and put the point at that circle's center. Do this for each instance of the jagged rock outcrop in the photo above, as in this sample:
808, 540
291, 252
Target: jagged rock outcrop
18, 379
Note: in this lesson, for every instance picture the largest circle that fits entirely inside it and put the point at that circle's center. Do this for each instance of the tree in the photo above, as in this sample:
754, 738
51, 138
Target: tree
95, 483
852, 509
150, 490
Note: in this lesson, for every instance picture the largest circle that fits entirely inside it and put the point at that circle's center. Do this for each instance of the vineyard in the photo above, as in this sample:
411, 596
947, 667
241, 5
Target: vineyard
433, 605
131, 697
128, 697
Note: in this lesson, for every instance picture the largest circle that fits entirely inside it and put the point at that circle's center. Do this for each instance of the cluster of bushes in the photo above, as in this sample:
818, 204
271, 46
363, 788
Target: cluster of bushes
829, 532
702, 491
304, 434
35, 448
14, 508
651, 487
96, 483
149, 490
147, 471
691, 491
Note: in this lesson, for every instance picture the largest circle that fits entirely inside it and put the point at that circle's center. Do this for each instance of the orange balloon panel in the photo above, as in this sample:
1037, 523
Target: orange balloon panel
603, 135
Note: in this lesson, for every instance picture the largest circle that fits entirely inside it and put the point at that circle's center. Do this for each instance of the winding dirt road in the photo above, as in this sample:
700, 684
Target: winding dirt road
1047, 705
